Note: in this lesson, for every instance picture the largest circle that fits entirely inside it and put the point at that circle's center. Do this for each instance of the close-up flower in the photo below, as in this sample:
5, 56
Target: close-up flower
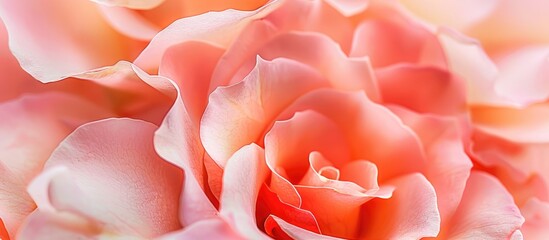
280, 119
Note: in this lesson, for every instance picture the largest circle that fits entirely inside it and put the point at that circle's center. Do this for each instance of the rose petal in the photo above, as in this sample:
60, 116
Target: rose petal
411, 213
486, 211
134, 4
45, 225
536, 214
237, 115
94, 156
32, 126
422, 89
190, 65
393, 38
458, 14
349, 7
244, 175
296, 232
448, 165
216, 28
68, 39
216, 228
129, 23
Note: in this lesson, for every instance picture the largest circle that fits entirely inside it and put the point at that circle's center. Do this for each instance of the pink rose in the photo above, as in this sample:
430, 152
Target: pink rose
288, 120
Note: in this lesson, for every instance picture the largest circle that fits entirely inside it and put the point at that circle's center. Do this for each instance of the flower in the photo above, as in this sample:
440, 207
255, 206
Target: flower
282, 119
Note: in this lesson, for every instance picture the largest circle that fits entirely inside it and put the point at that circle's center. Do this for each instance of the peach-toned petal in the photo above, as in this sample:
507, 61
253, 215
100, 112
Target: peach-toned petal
237, 115
422, 89
111, 175
216, 28
520, 125
523, 75
215, 228
32, 126
190, 65
243, 177
269, 204
296, 232
453, 13
3, 232
410, 214
349, 7
371, 131
314, 16
177, 141
448, 165
486, 211
68, 33
467, 60
45, 225
133, 4
396, 39
129, 23
536, 214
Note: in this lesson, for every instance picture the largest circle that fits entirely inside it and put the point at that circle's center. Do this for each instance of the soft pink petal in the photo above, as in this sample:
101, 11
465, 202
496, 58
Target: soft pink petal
314, 16
371, 131
45, 225
68, 33
458, 14
448, 165
411, 213
32, 126
216, 28
523, 75
237, 115
190, 65
520, 125
215, 228
341, 71
129, 23
111, 175
394, 38
243, 177
349, 7
536, 214
486, 211
177, 141
133, 4
297, 232
422, 89
468, 61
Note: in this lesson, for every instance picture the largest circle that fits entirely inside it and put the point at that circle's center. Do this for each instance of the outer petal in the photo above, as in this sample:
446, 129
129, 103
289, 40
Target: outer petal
393, 38
237, 115
68, 38
215, 228
111, 175
31, 127
216, 28
486, 211
422, 89
536, 214
296, 232
244, 175
349, 7
453, 13
135, 4
45, 225
410, 214
448, 165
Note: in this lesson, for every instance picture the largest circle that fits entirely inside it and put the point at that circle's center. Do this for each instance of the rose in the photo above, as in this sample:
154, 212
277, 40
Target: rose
429, 132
